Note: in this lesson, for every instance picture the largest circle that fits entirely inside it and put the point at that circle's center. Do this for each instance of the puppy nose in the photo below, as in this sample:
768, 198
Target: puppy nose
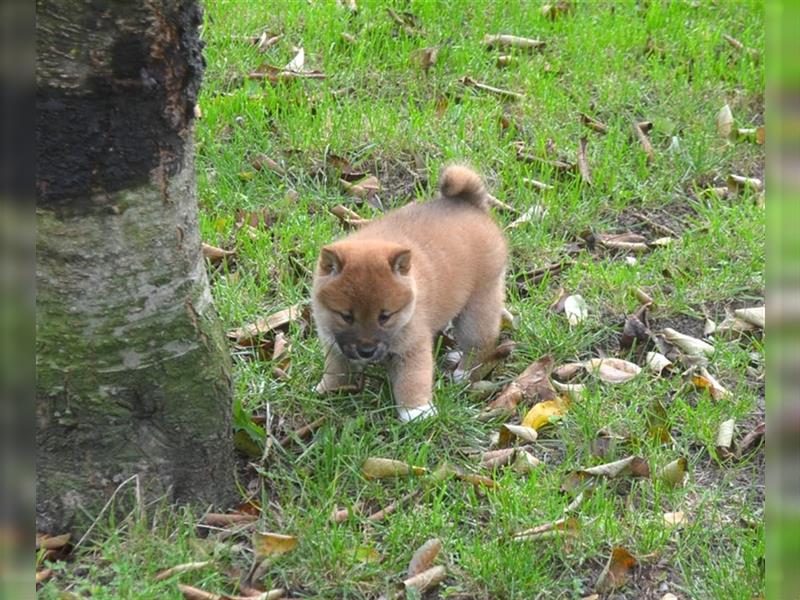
366, 350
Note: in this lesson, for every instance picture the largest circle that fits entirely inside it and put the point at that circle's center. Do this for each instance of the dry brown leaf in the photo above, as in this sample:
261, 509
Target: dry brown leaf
249, 334
567, 371
725, 439
512, 41
525, 462
704, 380
644, 141
425, 580
537, 184
531, 384
755, 316
533, 214
215, 254
43, 575
583, 162
227, 519
500, 205
494, 459
753, 439
635, 331
690, 345
392, 507
426, 57
340, 515
559, 165
347, 217
363, 189
527, 434
725, 122
566, 526
556, 9
424, 556
658, 421
261, 161
615, 574
55, 542
192, 593
675, 472
184, 568
593, 124
612, 370
506, 60
381, 468
635, 466
573, 390
265, 41
674, 518
407, 22
303, 432
272, 544
627, 242
508, 94
739, 183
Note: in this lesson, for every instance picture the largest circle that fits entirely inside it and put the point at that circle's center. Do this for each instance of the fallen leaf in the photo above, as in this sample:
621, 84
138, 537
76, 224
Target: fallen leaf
573, 390
349, 38
568, 371
669, 596
527, 434
751, 134
272, 544
192, 593
643, 296
615, 573
215, 254
43, 575
537, 184
55, 542
604, 443
612, 370
556, 9
635, 466
425, 580
303, 432
525, 462
644, 141
583, 162
503, 93
260, 161
674, 518
690, 345
565, 526
347, 217
340, 515
733, 326
298, 63
183, 568
755, 316
704, 380
494, 459
593, 124
739, 183
559, 165
755, 54
533, 383
634, 331
265, 41
512, 41
506, 60
725, 439
533, 214
500, 205
626, 242
381, 468
545, 412
407, 22
424, 556
709, 327
365, 554
426, 57
249, 334
488, 364
392, 507
576, 309
753, 439
364, 189
674, 472
725, 122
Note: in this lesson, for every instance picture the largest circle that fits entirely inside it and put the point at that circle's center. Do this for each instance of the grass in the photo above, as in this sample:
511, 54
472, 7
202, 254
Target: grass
388, 117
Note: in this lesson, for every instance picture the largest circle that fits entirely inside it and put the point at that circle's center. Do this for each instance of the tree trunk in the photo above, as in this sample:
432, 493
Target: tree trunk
133, 375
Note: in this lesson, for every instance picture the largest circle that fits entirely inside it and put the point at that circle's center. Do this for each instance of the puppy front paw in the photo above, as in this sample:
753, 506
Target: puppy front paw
414, 413
321, 388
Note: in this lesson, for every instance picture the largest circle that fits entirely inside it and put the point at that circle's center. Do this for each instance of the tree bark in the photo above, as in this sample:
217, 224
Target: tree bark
133, 374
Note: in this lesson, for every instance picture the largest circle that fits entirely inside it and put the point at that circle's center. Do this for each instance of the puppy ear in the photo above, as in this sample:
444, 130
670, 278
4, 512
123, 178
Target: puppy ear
330, 263
400, 261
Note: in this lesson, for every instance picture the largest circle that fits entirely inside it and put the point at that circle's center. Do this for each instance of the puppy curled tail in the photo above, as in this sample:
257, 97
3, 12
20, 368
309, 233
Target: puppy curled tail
458, 182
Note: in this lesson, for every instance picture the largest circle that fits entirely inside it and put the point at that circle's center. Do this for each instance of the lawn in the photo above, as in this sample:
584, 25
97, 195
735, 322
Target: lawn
270, 157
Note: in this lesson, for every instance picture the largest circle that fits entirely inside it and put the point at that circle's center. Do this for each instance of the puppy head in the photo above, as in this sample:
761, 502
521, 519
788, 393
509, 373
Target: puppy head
363, 295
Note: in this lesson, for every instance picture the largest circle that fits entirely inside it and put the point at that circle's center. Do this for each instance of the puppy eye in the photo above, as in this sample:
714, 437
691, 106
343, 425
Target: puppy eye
384, 317
347, 317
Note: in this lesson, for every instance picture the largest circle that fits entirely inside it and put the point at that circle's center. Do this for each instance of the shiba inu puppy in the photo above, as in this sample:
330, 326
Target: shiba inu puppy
382, 293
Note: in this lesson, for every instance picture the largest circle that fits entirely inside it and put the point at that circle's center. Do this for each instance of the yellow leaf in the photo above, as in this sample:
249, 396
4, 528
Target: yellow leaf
379, 468
542, 413
272, 544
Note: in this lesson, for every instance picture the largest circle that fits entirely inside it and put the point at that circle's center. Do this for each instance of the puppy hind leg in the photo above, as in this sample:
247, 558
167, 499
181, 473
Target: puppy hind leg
477, 327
